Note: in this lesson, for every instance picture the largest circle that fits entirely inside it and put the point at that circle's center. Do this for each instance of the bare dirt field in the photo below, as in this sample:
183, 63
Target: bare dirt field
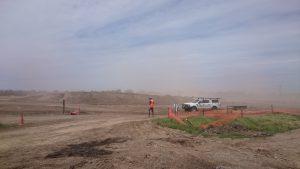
122, 136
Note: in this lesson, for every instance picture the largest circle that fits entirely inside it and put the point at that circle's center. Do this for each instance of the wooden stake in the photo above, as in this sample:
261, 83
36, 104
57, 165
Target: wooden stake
227, 109
21, 119
64, 104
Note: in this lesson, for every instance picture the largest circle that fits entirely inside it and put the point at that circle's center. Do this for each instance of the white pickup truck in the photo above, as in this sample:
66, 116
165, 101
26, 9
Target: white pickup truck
202, 103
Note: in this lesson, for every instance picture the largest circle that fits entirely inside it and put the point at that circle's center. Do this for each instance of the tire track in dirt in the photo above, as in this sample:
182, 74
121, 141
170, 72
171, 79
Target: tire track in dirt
51, 133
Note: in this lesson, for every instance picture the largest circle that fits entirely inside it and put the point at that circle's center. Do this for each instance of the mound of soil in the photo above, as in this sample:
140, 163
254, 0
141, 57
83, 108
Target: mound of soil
93, 98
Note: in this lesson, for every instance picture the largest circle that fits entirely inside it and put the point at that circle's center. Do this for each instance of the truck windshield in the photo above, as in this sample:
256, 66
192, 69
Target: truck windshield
205, 101
196, 101
215, 101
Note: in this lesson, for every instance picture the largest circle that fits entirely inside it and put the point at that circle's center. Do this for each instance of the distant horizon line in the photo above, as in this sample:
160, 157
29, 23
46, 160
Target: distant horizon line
147, 92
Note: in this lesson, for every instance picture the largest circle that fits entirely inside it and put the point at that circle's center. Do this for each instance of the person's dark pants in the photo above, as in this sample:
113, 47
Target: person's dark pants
151, 110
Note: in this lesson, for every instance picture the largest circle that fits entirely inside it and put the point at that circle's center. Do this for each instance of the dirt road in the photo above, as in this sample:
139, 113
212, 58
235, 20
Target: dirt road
131, 141
110, 139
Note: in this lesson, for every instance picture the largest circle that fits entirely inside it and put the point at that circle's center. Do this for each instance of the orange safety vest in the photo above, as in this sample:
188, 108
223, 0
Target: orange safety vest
151, 103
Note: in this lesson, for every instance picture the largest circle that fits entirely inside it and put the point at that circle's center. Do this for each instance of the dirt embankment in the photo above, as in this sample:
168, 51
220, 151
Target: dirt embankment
92, 98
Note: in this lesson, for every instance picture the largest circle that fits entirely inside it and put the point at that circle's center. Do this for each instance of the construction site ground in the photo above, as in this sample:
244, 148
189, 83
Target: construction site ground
108, 136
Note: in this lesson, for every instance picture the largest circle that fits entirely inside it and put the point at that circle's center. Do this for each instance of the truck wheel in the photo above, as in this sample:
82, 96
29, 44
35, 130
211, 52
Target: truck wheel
214, 107
194, 108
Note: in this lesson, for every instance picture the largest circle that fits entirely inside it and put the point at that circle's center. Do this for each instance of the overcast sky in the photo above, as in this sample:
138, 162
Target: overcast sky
159, 45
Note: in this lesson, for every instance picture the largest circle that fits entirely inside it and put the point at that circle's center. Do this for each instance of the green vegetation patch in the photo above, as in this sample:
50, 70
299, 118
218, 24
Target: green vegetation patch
192, 124
199, 120
271, 124
255, 126
6, 126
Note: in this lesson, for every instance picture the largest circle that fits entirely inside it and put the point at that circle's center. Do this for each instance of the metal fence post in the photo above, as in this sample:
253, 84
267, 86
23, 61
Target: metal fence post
272, 109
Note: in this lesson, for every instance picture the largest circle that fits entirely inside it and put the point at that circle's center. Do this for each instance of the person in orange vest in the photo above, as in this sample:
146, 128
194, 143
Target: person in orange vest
151, 106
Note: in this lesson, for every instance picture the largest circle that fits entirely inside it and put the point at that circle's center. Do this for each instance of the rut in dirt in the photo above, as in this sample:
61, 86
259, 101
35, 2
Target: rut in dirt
87, 149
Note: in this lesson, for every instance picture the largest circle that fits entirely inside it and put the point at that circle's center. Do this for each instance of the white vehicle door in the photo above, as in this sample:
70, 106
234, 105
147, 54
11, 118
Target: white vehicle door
200, 104
206, 104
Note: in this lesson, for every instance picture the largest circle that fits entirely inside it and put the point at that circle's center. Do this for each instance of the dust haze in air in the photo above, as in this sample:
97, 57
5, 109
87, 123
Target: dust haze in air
166, 46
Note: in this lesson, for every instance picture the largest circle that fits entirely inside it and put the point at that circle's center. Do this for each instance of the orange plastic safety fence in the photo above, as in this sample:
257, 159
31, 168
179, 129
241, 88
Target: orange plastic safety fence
171, 115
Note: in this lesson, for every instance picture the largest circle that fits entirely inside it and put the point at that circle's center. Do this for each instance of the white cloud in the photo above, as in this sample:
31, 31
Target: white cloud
163, 44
